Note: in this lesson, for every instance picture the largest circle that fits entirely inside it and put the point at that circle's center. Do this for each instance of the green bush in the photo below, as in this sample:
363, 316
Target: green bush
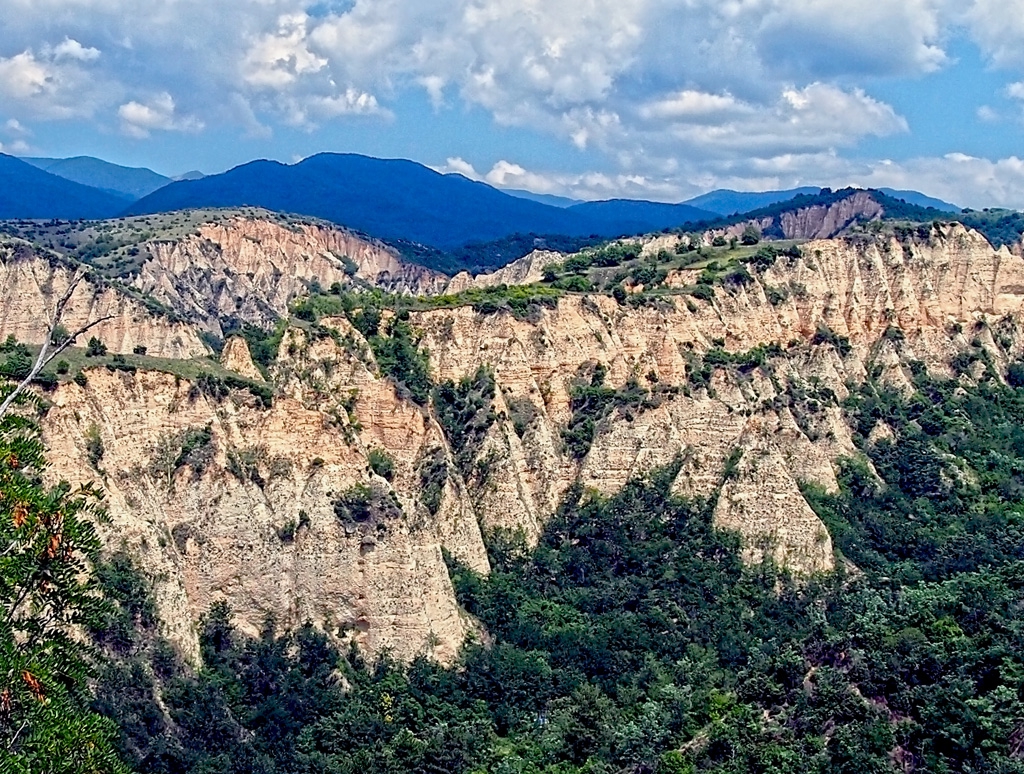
433, 470
381, 463
465, 411
95, 348
702, 292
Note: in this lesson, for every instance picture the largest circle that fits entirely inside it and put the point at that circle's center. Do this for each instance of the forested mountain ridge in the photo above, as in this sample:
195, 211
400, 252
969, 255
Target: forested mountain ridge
666, 505
395, 199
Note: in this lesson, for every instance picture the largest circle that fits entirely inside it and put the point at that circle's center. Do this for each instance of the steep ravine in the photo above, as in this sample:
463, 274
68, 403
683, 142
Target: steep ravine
250, 516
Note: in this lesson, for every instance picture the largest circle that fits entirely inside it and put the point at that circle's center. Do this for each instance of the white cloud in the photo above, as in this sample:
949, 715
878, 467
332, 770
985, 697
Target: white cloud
49, 85
460, 166
140, 119
24, 77
956, 177
14, 126
987, 113
959, 178
72, 49
15, 148
833, 37
279, 59
998, 27
664, 96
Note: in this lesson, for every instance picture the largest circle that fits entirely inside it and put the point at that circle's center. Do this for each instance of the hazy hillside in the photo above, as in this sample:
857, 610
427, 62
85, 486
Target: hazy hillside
129, 182
920, 199
629, 216
726, 202
29, 192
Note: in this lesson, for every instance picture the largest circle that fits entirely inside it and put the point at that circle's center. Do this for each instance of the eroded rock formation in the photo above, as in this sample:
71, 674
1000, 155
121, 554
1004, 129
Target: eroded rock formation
283, 510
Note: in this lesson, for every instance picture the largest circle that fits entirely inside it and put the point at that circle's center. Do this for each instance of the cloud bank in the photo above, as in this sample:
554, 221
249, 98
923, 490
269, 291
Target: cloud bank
666, 95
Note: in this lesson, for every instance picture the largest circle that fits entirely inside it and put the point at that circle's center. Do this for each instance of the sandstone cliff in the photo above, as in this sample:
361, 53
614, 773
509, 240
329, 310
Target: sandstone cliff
524, 271
222, 499
816, 222
255, 513
251, 269
30, 283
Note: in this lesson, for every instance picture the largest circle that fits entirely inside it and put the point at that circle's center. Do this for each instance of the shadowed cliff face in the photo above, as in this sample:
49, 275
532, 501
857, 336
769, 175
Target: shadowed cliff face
816, 222
287, 510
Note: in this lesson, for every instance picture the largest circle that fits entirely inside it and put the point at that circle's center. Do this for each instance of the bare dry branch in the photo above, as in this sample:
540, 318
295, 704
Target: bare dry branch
45, 354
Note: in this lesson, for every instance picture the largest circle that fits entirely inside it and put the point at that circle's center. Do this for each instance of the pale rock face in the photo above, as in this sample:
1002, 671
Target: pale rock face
856, 290
524, 271
816, 222
215, 535
743, 441
236, 357
761, 501
253, 269
30, 286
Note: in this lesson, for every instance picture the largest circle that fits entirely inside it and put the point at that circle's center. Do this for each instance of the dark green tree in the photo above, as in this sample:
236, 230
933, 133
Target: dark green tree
48, 546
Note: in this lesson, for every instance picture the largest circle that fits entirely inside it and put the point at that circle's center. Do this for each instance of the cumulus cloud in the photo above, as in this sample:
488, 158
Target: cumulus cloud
844, 37
158, 114
998, 27
15, 137
277, 60
956, 177
669, 94
72, 49
55, 83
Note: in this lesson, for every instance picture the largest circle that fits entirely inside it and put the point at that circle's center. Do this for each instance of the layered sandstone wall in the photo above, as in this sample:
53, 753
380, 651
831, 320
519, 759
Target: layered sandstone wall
252, 269
745, 440
30, 286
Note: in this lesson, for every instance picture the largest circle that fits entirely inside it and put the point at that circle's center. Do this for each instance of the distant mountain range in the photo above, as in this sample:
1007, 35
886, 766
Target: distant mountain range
396, 200
724, 201
129, 183
29, 192
919, 199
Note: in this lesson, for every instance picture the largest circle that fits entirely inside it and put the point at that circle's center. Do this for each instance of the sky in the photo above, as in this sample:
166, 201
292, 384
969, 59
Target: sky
656, 99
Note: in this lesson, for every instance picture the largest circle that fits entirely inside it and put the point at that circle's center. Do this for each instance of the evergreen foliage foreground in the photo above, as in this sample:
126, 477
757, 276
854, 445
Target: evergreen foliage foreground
48, 594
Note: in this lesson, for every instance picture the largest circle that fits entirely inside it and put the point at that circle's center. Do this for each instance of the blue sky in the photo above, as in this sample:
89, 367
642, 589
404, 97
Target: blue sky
660, 99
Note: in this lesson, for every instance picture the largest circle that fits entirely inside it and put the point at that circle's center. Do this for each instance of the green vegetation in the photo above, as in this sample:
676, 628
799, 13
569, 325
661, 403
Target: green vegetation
207, 375
381, 463
593, 402
1000, 227
17, 359
95, 348
383, 319
433, 470
522, 301
48, 551
191, 446
263, 344
465, 411
700, 369
367, 504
